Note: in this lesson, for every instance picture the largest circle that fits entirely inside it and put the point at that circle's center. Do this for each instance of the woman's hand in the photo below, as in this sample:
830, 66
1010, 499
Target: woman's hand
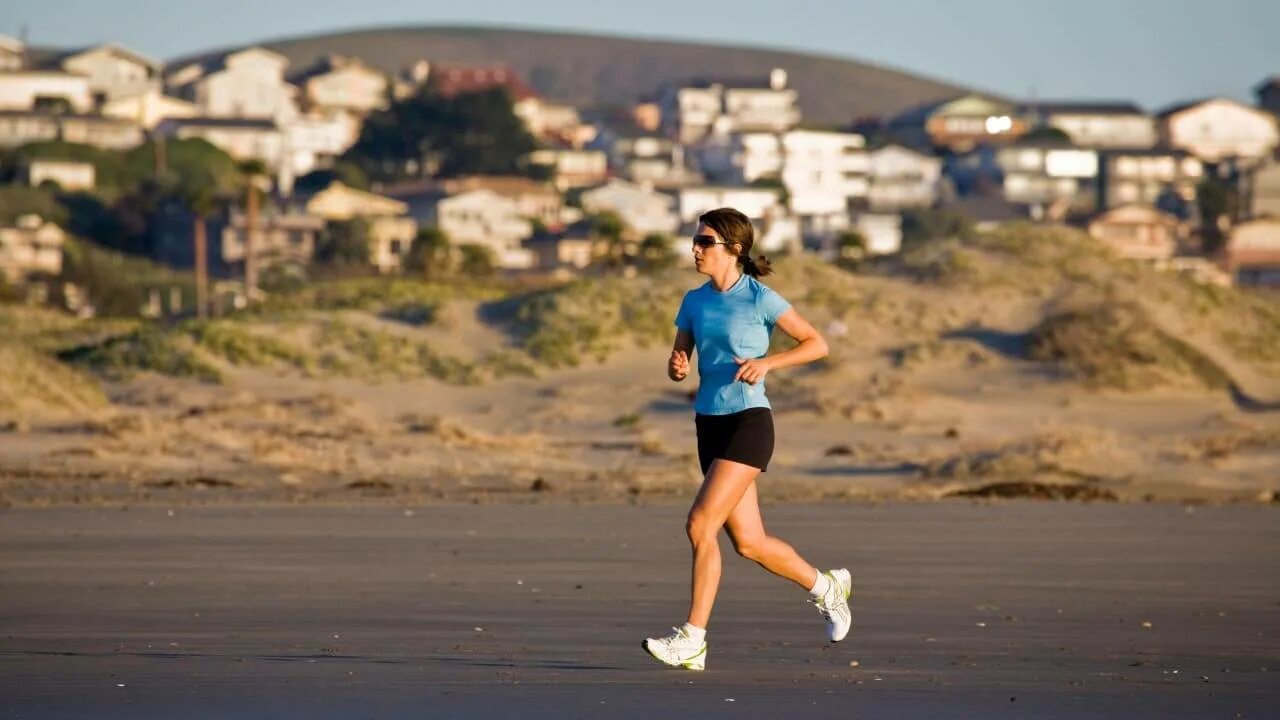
678, 366
751, 371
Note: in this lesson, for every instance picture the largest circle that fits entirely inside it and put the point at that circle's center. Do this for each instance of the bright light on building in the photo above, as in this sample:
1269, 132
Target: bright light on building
997, 124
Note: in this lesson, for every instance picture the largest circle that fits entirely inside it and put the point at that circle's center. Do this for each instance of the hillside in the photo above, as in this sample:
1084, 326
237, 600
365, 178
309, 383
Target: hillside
591, 69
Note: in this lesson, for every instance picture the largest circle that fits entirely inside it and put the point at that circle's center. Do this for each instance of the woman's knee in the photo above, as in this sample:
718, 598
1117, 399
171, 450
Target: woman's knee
700, 529
751, 547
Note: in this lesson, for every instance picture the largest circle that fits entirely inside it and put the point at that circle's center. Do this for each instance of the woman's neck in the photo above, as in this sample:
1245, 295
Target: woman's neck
728, 278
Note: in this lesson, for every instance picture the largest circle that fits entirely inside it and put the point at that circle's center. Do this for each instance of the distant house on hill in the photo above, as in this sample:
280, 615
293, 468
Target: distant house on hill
30, 246
1252, 252
337, 83
1094, 125
1138, 232
114, 72
68, 175
693, 109
391, 230
1219, 129
959, 124
248, 83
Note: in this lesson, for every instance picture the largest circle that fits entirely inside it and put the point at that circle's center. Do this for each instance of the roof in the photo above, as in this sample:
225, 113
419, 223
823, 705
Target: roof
920, 113
1144, 152
1081, 107
327, 64
58, 117
739, 83
505, 185
225, 122
450, 81
117, 49
1179, 107
214, 63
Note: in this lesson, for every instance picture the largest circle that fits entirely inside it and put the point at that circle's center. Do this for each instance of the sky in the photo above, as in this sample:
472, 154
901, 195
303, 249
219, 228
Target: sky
1152, 52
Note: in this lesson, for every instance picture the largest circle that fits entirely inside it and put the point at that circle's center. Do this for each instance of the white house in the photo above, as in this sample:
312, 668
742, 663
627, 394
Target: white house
245, 84
288, 149
30, 246
641, 209
881, 231
149, 108
241, 138
66, 174
1252, 252
1095, 125
641, 156
114, 72
691, 110
1219, 129
822, 171
391, 231
21, 127
44, 89
902, 178
554, 122
1137, 232
341, 83
313, 139
1144, 176
483, 217
755, 203
1045, 172
572, 168
13, 54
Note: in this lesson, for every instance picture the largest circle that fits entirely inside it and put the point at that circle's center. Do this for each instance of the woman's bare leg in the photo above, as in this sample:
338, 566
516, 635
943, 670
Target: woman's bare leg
721, 492
746, 528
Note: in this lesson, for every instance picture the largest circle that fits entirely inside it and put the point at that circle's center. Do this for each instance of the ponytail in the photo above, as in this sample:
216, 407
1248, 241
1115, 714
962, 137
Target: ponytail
757, 268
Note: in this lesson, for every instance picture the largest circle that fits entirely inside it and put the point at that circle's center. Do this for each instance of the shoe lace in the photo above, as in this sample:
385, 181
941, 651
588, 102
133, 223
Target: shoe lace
826, 610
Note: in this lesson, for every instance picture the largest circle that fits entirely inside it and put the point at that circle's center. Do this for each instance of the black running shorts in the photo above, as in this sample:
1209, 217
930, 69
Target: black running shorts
745, 437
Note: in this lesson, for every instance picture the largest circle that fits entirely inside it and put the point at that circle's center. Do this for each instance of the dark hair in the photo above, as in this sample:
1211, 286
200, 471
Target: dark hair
735, 228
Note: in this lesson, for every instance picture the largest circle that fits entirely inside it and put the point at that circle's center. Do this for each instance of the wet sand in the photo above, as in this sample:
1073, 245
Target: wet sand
1017, 609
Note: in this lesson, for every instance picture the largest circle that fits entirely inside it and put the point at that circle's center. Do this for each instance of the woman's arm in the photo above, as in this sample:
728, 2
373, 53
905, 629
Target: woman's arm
812, 347
678, 365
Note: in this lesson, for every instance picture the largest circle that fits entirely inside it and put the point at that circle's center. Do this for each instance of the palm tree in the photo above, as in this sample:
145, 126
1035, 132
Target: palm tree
252, 173
200, 200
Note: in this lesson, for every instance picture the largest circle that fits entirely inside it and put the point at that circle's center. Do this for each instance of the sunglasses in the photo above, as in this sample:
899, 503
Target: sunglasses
706, 241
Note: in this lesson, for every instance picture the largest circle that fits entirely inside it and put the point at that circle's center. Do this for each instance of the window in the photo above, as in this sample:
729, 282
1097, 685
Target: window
396, 246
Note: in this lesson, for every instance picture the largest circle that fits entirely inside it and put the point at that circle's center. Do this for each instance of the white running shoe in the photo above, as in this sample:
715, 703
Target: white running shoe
834, 606
678, 650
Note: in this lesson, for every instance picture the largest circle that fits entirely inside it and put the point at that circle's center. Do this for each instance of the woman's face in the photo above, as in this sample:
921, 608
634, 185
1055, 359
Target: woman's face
710, 254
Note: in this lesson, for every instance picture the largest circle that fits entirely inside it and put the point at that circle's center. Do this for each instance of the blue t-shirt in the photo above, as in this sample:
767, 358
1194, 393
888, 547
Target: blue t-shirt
725, 325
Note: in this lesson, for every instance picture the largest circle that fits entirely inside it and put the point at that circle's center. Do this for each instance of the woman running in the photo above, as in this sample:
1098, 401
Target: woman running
729, 320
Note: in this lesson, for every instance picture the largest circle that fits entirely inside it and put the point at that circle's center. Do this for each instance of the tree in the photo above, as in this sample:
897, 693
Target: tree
1219, 203
431, 253
346, 173
656, 252
428, 135
477, 260
608, 226
253, 172
345, 243
200, 200
199, 175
